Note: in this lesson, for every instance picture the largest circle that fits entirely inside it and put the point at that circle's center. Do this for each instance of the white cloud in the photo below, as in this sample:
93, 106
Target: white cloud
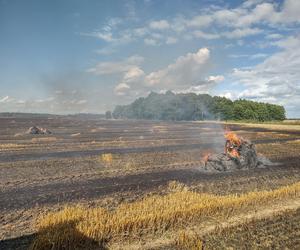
135, 59
187, 73
80, 102
290, 43
226, 17
218, 78
157, 36
171, 40
238, 55
43, 105
261, 12
6, 99
233, 23
133, 77
108, 68
150, 41
200, 21
105, 35
258, 56
250, 3
114, 21
159, 25
228, 95
275, 79
186, 70
290, 12
254, 56
203, 86
178, 24
121, 89
208, 36
20, 102
239, 33
240, 21
140, 31
274, 36
133, 74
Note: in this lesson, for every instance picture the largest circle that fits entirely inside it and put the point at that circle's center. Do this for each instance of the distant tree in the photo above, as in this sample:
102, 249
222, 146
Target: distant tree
108, 115
190, 106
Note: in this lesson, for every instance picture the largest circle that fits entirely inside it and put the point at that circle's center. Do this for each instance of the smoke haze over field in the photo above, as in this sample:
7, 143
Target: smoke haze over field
74, 56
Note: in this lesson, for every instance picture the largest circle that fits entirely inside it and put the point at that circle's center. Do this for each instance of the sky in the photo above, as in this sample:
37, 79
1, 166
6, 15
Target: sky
75, 56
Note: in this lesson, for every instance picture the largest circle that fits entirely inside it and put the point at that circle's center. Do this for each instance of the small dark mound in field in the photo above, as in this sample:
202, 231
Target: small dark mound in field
38, 131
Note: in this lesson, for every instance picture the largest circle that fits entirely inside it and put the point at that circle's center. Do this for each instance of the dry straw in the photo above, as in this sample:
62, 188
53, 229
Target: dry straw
76, 227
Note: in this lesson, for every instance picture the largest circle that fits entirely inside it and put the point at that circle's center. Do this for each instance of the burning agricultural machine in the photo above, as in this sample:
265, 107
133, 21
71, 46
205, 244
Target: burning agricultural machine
238, 154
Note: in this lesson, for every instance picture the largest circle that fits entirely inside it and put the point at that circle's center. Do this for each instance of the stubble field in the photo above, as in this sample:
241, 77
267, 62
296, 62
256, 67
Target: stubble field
91, 172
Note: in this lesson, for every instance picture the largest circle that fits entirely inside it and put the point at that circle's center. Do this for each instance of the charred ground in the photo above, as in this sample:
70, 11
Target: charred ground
39, 173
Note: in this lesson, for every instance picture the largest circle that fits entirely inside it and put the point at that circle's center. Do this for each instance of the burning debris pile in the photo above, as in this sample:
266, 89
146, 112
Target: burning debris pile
38, 131
238, 154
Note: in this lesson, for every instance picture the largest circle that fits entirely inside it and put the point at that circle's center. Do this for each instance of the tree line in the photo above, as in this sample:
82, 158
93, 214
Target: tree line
190, 106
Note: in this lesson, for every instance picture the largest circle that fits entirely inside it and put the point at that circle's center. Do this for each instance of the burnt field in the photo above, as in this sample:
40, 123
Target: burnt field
105, 163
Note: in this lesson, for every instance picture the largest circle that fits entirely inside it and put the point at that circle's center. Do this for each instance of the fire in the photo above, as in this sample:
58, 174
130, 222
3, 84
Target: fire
232, 144
205, 155
234, 153
233, 138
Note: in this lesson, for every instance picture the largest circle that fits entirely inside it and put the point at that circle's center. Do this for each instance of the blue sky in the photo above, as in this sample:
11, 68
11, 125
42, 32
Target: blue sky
66, 56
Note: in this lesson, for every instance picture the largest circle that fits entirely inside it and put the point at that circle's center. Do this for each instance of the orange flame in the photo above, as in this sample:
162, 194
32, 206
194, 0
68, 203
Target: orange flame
205, 155
232, 143
233, 138
234, 153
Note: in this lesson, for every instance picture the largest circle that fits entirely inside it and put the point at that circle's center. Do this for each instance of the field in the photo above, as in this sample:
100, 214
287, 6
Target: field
113, 184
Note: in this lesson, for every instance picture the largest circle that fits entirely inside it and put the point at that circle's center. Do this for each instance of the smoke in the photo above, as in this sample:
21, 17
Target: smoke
217, 136
75, 92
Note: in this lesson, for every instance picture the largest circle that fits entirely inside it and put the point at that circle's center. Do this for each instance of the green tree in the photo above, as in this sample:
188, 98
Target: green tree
190, 106
108, 115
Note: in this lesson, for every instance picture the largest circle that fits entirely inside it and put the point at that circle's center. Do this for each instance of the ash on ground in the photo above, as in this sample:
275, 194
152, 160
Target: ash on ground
238, 154
38, 131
